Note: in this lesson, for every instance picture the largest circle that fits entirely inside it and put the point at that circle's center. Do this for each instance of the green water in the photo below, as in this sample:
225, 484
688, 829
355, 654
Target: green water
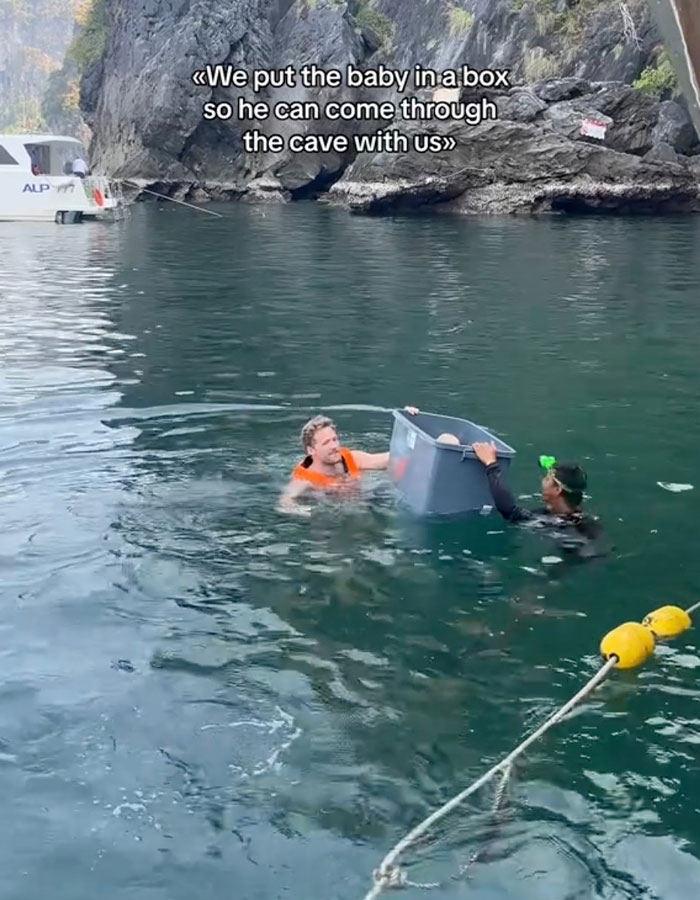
200, 698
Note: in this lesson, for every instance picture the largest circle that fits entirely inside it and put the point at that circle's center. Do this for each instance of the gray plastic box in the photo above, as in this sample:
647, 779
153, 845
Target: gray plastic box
441, 479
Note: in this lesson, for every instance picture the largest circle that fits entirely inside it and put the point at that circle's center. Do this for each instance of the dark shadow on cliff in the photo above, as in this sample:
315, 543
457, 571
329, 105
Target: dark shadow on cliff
318, 186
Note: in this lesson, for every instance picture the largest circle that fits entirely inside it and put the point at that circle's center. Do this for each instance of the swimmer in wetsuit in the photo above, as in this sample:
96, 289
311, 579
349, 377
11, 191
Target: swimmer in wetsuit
563, 486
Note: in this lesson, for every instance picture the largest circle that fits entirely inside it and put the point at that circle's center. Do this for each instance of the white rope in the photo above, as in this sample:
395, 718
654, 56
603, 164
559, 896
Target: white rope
495, 806
397, 877
501, 789
389, 875
209, 212
693, 607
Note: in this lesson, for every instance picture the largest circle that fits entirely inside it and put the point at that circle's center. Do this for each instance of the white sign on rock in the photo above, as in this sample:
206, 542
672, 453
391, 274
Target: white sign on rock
446, 95
593, 128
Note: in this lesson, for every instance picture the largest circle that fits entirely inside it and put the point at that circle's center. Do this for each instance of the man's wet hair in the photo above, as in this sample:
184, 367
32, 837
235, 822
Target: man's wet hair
573, 481
312, 427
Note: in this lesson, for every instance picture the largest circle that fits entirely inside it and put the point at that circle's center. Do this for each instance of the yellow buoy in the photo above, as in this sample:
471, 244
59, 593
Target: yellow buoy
668, 621
631, 643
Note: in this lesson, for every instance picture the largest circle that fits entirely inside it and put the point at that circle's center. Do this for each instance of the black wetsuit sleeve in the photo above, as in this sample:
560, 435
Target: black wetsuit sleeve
503, 498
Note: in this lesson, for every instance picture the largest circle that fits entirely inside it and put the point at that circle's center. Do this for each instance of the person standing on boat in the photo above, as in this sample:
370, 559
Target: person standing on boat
79, 168
34, 160
328, 466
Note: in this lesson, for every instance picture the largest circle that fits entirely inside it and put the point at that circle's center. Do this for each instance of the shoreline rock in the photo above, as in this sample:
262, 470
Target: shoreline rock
147, 119
539, 161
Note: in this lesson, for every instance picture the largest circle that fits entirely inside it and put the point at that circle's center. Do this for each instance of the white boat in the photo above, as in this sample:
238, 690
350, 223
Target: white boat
37, 184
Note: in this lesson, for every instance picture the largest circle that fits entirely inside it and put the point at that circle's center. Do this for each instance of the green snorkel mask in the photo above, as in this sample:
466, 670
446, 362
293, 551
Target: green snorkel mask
547, 462
571, 479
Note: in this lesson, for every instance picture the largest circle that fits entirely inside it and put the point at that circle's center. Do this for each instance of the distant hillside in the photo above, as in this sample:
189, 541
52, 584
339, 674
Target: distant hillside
36, 37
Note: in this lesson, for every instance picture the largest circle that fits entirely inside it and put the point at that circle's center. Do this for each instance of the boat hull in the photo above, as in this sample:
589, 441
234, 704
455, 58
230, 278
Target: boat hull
43, 198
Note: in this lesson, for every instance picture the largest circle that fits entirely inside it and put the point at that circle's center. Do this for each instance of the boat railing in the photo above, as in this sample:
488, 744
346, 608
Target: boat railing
103, 191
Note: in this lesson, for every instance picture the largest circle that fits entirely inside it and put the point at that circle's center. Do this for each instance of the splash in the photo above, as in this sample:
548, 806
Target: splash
673, 487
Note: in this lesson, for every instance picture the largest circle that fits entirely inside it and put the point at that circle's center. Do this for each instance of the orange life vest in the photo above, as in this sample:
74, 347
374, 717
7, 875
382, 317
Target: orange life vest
319, 479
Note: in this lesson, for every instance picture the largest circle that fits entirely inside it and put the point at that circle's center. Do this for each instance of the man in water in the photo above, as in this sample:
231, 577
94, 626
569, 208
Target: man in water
328, 466
563, 486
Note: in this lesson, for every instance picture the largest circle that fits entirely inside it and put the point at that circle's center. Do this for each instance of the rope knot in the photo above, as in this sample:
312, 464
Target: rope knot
392, 877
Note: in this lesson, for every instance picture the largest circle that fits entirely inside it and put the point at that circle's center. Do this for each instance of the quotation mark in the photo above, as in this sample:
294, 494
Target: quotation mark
199, 77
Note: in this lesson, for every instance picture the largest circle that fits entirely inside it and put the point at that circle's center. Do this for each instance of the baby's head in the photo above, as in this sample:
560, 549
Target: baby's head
447, 438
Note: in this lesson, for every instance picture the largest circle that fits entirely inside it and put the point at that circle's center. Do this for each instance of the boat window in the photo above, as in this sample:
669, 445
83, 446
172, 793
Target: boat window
6, 159
55, 157
40, 157
62, 155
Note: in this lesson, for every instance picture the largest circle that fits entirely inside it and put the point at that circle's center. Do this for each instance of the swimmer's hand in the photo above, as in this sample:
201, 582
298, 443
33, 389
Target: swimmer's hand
288, 501
294, 510
411, 410
288, 506
485, 453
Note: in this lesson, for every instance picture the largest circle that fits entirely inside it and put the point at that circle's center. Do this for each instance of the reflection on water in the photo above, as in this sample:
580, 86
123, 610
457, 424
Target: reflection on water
196, 687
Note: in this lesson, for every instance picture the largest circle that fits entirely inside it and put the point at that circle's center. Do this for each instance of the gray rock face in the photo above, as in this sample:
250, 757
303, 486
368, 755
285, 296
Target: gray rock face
606, 49
521, 105
146, 113
563, 89
508, 166
674, 127
567, 117
663, 153
633, 113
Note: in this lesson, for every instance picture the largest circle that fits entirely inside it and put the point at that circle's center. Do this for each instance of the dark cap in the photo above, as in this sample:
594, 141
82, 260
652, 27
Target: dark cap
571, 477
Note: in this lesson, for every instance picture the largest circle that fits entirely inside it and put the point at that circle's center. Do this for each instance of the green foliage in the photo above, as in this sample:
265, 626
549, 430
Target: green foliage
37, 10
28, 117
15, 12
659, 80
14, 8
460, 21
39, 28
539, 65
89, 44
60, 106
570, 24
569, 28
369, 17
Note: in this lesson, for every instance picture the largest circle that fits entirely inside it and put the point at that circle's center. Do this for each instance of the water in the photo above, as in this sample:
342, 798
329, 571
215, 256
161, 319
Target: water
202, 698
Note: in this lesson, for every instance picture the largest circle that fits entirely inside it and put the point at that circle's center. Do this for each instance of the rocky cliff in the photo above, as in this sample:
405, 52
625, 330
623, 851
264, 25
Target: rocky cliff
569, 60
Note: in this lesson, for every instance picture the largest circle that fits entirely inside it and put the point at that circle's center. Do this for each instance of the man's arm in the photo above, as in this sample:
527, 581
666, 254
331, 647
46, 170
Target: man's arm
501, 493
290, 495
503, 498
368, 461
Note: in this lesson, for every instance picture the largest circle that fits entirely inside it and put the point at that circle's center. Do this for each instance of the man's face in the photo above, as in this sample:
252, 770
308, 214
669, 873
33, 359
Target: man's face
550, 488
326, 447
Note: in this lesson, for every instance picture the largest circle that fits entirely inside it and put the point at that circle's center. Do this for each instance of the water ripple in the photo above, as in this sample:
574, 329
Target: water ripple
198, 688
